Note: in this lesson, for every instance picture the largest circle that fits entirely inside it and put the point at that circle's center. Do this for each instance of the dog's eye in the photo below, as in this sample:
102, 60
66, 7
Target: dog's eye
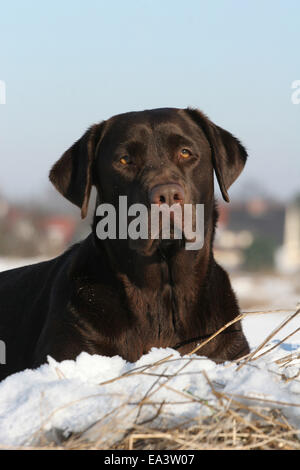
125, 160
185, 153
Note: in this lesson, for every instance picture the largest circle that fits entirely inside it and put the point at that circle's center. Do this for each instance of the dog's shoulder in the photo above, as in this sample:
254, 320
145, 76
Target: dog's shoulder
89, 262
81, 261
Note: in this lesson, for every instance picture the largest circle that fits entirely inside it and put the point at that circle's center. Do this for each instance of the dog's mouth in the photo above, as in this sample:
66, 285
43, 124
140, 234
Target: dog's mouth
162, 246
164, 239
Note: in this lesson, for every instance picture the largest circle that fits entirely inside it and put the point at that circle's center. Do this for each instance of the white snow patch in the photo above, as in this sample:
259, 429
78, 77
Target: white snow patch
72, 396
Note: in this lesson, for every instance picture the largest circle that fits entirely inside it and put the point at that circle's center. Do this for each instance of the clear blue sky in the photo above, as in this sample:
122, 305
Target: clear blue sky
70, 63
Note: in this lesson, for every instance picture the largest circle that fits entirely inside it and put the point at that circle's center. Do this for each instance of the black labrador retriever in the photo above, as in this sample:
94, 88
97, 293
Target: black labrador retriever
119, 296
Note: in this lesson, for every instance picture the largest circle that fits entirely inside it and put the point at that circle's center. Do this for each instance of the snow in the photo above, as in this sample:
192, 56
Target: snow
101, 395
11, 263
266, 291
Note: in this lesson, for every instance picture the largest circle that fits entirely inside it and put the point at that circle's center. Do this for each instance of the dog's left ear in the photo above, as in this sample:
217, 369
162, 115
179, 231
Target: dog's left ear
72, 173
228, 154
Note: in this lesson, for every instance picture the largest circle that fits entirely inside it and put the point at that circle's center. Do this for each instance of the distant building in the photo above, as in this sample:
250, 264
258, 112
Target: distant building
4, 208
28, 232
288, 257
242, 224
56, 233
262, 218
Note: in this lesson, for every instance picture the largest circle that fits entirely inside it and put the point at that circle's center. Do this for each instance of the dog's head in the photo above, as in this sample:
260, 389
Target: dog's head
156, 156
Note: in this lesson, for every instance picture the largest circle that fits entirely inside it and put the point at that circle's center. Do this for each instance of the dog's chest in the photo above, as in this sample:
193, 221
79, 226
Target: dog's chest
132, 320
158, 315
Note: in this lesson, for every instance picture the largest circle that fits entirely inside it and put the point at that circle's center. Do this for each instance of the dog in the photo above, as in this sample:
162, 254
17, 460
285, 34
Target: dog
119, 296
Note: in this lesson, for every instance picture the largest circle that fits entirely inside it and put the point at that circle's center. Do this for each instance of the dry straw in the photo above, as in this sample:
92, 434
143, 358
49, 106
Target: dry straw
231, 424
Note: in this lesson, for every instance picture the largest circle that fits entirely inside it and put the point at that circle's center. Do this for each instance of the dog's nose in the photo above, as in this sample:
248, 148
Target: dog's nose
170, 194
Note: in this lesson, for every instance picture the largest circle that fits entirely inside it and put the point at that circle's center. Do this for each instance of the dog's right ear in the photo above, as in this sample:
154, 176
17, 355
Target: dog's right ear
72, 173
